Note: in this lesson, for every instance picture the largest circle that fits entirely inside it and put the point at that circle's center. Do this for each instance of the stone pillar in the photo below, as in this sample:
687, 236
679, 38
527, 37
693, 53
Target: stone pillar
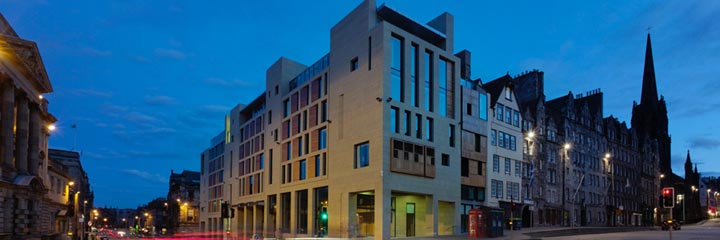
21, 134
6, 128
34, 142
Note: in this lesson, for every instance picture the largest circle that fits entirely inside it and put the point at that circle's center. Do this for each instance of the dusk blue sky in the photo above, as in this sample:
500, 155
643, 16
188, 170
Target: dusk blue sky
148, 82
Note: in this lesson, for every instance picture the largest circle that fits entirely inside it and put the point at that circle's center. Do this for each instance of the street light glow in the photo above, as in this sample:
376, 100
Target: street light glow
51, 127
567, 146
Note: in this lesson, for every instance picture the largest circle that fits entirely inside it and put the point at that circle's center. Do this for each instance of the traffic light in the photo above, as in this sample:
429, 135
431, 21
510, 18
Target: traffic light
224, 210
668, 196
232, 212
323, 214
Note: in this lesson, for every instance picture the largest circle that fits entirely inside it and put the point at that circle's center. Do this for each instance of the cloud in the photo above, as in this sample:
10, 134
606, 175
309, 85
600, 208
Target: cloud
91, 93
141, 59
141, 118
700, 142
159, 100
95, 52
170, 53
146, 175
227, 83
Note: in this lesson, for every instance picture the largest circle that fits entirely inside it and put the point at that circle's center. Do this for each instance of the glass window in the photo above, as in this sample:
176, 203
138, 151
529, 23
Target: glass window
324, 111
429, 129
413, 72
394, 123
464, 167
508, 115
418, 125
317, 165
493, 137
445, 160
517, 168
362, 155
262, 161
482, 106
407, 123
496, 163
508, 167
323, 138
499, 112
428, 71
300, 146
286, 108
396, 87
516, 118
303, 169
451, 135
442, 87
353, 64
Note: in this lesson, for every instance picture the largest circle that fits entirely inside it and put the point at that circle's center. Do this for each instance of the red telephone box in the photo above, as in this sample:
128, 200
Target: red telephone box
476, 225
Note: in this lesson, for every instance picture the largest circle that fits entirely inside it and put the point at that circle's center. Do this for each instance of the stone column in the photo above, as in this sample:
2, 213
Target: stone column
6, 127
34, 142
21, 133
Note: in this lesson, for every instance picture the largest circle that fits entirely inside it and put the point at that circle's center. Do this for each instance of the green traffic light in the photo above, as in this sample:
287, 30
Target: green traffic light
323, 216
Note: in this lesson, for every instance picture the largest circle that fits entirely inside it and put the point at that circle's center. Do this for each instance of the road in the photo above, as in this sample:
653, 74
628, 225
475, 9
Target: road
707, 230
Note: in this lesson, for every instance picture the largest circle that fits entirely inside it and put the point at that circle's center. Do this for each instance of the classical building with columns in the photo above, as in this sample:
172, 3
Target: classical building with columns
25, 212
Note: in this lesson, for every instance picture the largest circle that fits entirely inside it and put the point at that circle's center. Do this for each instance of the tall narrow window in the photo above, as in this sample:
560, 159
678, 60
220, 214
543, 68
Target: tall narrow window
493, 137
286, 108
413, 73
369, 53
418, 126
428, 71
442, 87
482, 106
317, 165
464, 167
408, 119
300, 146
323, 138
396, 87
499, 112
323, 111
508, 115
362, 155
429, 129
354, 64
394, 123
451, 135
477, 142
303, 169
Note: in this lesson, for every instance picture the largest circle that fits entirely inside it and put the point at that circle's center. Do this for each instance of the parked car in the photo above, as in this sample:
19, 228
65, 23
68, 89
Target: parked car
670, 222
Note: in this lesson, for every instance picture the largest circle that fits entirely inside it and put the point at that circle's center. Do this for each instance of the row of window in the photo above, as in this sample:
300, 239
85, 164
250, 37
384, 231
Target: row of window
416, 125
308, 94
318, 168
520, 170
445, 81
302, 121
471, 193
507, 115
513, 189
302, 145
503, 140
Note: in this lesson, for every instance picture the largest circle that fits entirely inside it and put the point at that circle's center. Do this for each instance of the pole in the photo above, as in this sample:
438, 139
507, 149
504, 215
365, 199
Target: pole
565, 222
683, 199
670, 227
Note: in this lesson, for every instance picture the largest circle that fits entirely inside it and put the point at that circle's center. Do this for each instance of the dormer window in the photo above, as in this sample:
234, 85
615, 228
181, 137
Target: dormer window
508, 94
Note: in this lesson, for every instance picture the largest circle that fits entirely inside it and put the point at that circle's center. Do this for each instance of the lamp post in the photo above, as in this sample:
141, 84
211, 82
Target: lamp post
566, 217
681, 197
707, 200
610, 171
530, 138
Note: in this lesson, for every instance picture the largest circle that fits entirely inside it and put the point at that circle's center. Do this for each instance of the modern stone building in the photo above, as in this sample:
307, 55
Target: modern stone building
362, 143
26, 211
212, 168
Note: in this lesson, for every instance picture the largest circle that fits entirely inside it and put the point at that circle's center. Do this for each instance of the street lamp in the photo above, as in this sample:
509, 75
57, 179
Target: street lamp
707, 199
566, 217
530, 138
681, 197
610, 171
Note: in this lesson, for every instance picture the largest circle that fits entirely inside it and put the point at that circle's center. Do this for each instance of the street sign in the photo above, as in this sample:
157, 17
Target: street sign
81, 219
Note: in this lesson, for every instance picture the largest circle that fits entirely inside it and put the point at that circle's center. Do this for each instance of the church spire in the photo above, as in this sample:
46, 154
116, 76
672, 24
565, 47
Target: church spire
649, 88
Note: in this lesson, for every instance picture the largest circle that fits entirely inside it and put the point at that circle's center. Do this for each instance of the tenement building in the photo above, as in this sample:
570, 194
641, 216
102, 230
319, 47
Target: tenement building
71, 178
362, 143
25, 212
505, 150
183, 201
